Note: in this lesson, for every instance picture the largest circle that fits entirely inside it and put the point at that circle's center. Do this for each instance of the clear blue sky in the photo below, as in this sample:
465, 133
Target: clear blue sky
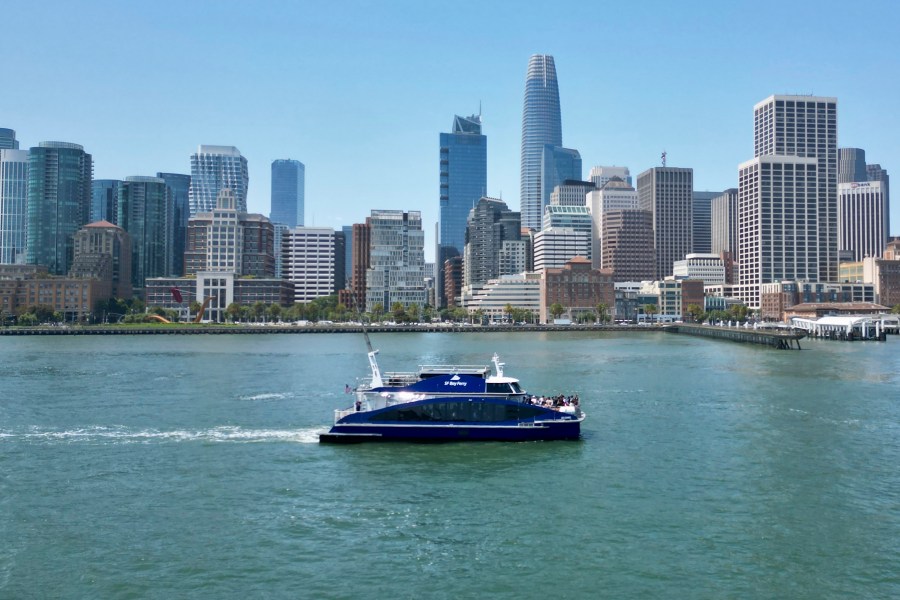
359, 91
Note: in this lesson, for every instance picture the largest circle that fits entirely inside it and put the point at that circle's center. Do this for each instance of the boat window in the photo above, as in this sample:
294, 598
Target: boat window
516, 387
498, 388
461, 411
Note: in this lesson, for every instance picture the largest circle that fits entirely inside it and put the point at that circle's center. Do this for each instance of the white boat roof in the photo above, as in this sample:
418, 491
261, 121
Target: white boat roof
494, 379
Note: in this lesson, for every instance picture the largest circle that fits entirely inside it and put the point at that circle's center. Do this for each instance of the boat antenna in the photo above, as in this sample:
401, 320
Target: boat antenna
376, 372
498, 365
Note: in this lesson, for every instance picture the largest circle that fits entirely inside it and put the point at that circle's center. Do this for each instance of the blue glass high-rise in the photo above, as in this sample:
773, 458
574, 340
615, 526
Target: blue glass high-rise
180, 186
541, 126
104, 200
288, 195
463, 179
557, 166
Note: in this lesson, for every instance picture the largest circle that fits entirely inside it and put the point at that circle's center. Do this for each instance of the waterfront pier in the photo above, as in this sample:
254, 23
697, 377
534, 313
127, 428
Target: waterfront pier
782, 340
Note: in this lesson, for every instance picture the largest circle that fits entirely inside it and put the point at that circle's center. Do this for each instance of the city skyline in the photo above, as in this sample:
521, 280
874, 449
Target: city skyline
684, 86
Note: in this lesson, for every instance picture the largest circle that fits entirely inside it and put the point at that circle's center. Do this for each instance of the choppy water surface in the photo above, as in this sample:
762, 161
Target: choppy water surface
161, 467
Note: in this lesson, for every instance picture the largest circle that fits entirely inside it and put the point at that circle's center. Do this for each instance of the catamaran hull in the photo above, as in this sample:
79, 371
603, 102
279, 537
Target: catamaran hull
547, 431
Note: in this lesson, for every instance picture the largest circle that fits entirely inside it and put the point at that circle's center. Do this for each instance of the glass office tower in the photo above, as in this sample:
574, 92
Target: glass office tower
288, 195
541, 126
13, 206
463, 179
145, 212
215, 168
179, 184
59, 203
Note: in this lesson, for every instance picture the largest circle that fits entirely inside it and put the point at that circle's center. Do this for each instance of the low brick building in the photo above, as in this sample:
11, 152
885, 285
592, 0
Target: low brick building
578, 287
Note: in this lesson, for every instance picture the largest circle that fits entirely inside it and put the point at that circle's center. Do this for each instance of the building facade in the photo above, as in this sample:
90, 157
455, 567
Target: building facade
571, 193
8, 139
668, 193
614, 194
863, 218
396, 271
179, 188
851, 165
59, 203
145, 213
724, 222
288, 192
308, 261
541, 126
13, 205
105, 200
709, 268
489, 225
103, 252
627, 245
578, 288
463, 178
599, 175
702, 221
216, 168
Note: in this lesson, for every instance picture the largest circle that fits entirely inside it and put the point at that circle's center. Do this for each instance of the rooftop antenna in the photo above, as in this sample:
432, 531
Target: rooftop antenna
663, 157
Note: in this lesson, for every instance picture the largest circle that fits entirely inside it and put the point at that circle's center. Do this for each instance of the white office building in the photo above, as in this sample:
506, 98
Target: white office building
600, 175
307, 256
396, 271
863, 218
522, 290
708, 267
555, 246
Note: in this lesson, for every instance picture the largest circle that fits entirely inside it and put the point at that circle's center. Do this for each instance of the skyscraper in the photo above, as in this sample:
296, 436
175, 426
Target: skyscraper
104, 200
215, 168
724, 223
145, 213
179, 186
541, 126
851, 165
558, 165
489, 226
13, 205
600, 175
784, 126
288, 192
8, 139
863, 218
701, 223
668, 193
309, 262
615, 194
59, 203
463, 169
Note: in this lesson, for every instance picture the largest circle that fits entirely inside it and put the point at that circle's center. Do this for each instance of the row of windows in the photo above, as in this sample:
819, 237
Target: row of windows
463, 411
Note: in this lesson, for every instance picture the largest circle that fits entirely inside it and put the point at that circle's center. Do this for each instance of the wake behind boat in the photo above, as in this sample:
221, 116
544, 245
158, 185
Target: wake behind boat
441, 403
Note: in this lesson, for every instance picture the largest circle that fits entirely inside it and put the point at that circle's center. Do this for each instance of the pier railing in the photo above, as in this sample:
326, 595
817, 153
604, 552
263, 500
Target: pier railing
782, 340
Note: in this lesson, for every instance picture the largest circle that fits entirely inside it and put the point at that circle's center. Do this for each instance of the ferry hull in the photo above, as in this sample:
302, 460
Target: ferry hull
356, 433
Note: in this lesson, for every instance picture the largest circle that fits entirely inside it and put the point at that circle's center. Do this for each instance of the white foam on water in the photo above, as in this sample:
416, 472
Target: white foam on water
270, 396
122, 435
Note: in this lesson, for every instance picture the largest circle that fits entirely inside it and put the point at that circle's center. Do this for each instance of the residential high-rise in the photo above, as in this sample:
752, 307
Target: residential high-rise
215, 168
179, 186
13, 205
700, 223
397, 260
59, 203
851, 165
145, 213
288, 192
489, 225
308, 261
863, 218
8, 139
105, 200
668, 193
348, 255
614, 194
362, 241
541, 126
724, 223
340, 256
463, 170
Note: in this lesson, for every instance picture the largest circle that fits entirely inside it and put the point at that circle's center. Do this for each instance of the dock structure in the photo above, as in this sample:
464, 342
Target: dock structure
782, 340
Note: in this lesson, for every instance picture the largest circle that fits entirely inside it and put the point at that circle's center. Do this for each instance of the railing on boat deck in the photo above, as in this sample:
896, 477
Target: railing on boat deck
340, 414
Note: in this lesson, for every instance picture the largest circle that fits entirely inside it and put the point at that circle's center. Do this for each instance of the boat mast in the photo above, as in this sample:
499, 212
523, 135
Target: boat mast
497, 364
376, 372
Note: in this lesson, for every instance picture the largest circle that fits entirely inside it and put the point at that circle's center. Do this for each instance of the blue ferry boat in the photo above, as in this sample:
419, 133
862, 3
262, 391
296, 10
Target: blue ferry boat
452, 403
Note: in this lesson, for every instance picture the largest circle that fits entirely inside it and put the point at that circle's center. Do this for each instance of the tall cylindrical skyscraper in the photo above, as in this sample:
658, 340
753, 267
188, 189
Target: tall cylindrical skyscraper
59, 203
541, 126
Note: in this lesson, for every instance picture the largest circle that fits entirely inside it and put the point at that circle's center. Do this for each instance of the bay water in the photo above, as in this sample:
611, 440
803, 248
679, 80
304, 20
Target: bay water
189, 467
